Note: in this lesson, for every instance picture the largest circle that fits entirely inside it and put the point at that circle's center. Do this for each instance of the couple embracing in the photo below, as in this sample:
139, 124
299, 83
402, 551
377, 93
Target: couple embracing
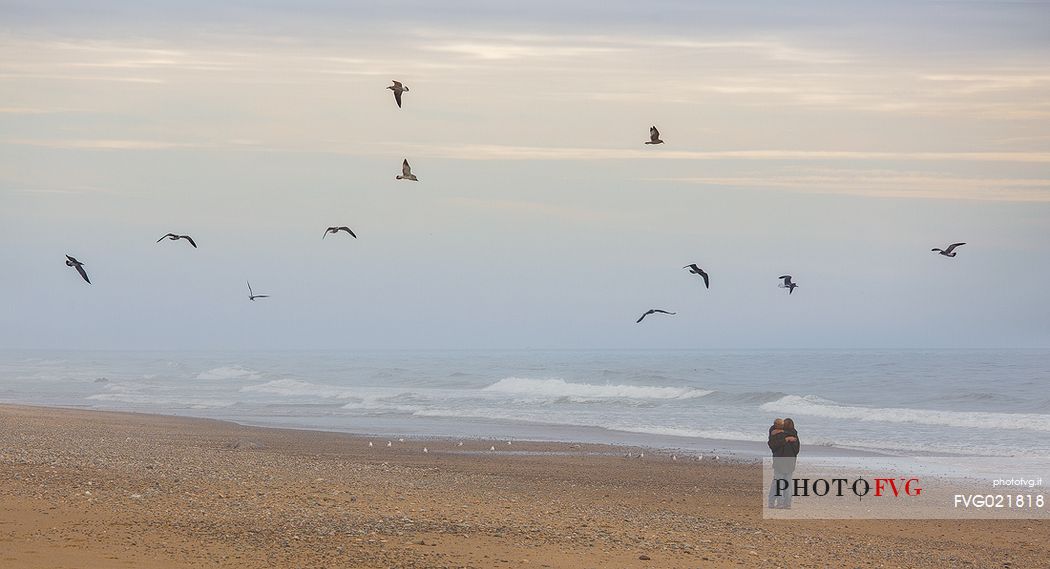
783, 441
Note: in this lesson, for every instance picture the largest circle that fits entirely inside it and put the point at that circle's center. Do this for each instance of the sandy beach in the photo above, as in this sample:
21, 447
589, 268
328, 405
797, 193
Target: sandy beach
98, 489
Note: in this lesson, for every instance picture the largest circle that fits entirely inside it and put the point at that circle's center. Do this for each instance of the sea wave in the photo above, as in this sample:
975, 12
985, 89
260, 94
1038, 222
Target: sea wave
819, 407
154, 400
558, 388
229, 372
298, 388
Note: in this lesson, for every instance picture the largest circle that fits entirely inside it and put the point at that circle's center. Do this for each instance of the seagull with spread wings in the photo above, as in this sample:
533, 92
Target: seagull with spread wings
788, 283
252, 296
950, 251
698, 271
398, 88
71, 262
406, 172
334, 230
654, 136
173, 237
653, 311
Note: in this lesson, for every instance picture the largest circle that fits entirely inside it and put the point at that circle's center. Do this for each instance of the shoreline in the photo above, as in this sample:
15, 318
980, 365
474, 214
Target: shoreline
87, 489
752, 451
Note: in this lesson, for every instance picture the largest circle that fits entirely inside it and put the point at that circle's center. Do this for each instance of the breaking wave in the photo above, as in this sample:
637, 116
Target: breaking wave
229, 372
298, 388
818, 407
558, 388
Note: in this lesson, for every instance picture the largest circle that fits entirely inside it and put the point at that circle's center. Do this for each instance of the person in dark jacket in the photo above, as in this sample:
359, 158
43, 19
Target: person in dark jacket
784, 443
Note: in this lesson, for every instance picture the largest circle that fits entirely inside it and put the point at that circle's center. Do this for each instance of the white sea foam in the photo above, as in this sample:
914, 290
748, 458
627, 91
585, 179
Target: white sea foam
229, 372
298, 388
818, 407
557, 388
692, 433
153, 400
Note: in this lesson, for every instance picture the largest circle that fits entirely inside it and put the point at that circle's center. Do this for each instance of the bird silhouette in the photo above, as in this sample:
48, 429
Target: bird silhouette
950, 251
334, 230
71, 262
653, 311
406, 172
698, 271
654, 136
173, 237
788, 284
398, 88
252, 296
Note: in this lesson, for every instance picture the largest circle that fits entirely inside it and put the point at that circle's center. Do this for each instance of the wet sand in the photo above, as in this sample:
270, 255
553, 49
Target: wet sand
93, 489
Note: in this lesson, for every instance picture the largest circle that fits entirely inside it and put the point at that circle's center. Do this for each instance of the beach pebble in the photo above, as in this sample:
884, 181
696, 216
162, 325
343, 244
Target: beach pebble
643, 557
245, 444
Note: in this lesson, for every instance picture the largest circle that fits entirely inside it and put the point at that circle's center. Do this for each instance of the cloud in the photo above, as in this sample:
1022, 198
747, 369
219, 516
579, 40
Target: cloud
75, 77
888, 183
497, 51
502, 152
32, 110
488, 152
106, 144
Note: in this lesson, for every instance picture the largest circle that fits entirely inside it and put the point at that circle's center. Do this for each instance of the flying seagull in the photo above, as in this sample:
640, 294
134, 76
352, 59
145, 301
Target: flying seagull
788, 284
334, 230
173, 237
252, 296
406, 172
71, 262
653, 311
950, 251
398, 88
698, 271
654, 136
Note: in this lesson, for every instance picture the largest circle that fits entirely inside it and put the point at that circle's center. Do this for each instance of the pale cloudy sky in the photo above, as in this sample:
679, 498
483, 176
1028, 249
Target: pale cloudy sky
837, 142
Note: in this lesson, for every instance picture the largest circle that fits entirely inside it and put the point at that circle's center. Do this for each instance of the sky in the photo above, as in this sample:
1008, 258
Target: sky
836, 142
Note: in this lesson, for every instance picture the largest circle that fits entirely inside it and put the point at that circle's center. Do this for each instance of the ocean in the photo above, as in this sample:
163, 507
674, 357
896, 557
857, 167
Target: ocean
974, 403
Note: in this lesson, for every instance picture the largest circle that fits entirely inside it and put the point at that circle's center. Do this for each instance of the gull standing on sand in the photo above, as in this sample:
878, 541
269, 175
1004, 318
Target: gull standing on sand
71, 262
252, 296
653, 311
369, 444
698, 271
493, 447
425, 451
950, 251
174, 237
654, 136
389, 444
398, 88
788, 284
334, 230
406, 172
